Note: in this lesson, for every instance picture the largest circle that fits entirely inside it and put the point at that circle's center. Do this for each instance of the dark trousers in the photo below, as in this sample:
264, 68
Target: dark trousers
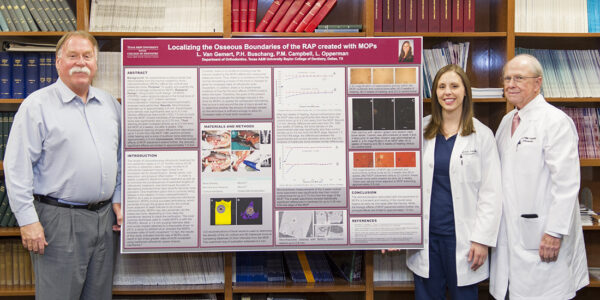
442, 273
78, 261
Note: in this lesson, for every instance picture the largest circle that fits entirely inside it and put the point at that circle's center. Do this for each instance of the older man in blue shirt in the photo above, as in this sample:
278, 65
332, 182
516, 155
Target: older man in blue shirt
62, 169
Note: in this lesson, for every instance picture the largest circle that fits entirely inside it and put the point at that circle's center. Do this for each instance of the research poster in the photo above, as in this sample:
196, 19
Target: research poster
271, 144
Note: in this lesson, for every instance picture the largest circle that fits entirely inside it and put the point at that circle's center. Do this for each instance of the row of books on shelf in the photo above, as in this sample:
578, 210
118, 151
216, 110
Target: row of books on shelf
108, 76
441, 55
15, 264
556, 16
7, 217
272, 296
298, 266
163, 297
586, 121
36, 15
168, 268
291, 16
391, 266
6, 120
588, 216
568, 73
156, 16
424, 15
22, 73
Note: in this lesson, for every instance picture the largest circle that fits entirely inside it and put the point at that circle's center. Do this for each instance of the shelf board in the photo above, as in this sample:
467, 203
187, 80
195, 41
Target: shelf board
594, 283
28, 290
298, 34
394, 286
155, 34
11, 101
445, 34
558, 35
591, 227
339, 285
589, 162
32, 33
175, 289
10, 231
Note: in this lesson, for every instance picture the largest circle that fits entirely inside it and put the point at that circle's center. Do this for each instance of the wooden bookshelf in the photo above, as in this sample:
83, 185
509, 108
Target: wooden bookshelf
106, 34
298, 34
589, 162
180, 289
10, 231
394, 286
16, 291
340, 285
11, 101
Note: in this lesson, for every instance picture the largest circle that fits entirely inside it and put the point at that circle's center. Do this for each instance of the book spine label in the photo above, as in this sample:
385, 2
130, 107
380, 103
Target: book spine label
434, 15
32, 73
327, 7
252, 7
301, 14
36, 15
235, 15
28, 16
42, 12
457, 16
310, 15
469, 17
378, 15
388, 15
279, 15
18, 75
244, 15
422, 16
445, 15
268, 16
289, 15
5, 75
305, 266
399, 16
411, 15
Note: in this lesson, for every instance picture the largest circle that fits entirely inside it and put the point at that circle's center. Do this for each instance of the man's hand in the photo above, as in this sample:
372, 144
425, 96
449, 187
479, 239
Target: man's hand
33, 237
383, 251
119, 215
549, 248
477, 254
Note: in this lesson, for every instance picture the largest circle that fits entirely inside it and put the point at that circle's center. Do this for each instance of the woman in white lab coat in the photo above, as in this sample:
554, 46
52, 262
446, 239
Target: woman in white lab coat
462, 194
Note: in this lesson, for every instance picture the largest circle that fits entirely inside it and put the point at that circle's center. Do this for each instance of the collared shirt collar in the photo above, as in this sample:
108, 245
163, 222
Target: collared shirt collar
67, 95
529, 108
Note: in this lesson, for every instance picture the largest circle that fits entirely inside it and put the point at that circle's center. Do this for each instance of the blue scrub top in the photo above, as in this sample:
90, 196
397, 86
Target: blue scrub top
441, 209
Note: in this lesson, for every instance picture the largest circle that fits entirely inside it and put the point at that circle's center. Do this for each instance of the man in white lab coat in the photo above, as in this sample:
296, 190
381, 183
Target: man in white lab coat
540, 252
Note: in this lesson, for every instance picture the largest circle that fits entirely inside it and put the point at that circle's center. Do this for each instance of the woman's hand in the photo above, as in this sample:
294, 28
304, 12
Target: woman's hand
477, 255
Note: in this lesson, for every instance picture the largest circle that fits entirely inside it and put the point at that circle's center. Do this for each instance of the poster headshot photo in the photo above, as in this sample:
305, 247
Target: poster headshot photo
405, 51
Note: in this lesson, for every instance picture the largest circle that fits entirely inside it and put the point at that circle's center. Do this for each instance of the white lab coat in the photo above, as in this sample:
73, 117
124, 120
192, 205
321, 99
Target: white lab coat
477, 200
540, 175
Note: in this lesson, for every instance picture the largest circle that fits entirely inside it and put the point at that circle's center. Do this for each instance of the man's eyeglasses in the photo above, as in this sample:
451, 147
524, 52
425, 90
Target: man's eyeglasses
517, 79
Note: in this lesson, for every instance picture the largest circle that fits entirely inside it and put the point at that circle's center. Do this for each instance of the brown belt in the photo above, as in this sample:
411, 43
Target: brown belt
53, 201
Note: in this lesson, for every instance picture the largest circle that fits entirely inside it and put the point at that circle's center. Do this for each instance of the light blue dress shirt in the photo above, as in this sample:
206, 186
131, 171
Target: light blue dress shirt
60, 147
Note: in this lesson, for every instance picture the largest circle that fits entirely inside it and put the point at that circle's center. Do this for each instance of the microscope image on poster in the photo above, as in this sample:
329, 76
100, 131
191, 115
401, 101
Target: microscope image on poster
236, 211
